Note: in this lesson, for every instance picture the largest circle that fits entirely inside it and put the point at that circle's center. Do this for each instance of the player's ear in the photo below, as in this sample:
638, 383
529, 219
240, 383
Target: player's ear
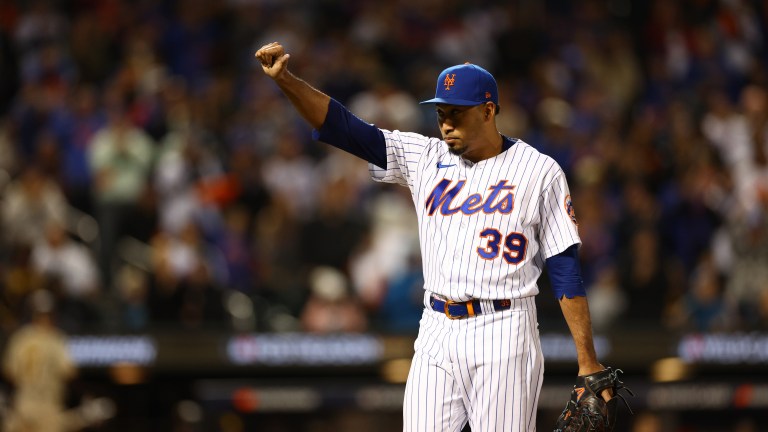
490, 108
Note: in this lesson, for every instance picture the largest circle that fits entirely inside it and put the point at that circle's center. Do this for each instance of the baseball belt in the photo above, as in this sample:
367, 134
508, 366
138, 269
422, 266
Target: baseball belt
466, 309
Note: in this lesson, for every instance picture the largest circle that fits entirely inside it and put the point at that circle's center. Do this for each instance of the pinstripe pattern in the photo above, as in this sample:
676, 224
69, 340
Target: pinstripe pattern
452, 267
485, 370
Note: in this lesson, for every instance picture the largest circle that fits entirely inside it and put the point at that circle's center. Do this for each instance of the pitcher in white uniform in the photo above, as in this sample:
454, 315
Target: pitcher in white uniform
492, 212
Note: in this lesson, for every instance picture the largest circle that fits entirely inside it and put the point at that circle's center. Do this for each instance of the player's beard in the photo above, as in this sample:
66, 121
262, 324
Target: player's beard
457, 149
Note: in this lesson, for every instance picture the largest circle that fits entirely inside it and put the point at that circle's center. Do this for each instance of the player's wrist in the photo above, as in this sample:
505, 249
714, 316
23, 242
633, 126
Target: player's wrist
590, 368
284, 78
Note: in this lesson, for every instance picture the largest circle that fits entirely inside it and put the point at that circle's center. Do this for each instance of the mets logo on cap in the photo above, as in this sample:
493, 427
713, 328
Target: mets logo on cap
465, 84
450, 79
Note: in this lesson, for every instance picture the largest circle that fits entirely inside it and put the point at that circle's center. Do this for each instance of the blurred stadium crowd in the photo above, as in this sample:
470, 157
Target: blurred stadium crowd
152, 177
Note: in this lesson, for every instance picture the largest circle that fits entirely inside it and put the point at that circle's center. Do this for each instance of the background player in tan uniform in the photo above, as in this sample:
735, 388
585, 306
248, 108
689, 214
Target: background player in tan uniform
38, 364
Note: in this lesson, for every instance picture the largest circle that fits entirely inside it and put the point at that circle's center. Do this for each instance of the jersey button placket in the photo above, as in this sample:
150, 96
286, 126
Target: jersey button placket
462, 222
472, 183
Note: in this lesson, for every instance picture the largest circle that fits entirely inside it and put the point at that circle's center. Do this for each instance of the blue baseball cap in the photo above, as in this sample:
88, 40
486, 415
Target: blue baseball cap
465, 84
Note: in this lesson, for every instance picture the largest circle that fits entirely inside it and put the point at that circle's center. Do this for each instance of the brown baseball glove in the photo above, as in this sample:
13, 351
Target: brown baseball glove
587, 411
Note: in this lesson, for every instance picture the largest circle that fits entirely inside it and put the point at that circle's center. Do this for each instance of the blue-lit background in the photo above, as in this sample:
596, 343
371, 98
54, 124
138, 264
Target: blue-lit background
216, 269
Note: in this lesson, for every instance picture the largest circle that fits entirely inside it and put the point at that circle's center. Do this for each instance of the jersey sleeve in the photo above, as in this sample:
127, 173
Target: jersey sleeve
392, 155
404, 150
559, 228
346, 131
565, 274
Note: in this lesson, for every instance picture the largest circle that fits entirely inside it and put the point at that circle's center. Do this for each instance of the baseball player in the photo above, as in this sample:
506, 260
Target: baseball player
37, 362
492, 212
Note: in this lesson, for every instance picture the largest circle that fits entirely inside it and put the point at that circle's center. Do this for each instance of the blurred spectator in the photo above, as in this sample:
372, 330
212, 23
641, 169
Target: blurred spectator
48, 66
688, 224
40, 102
32, 202
235, 243
74, 128
644, 276
754, 103
40, 23
555, 116
70, 267
387, 107
289, 175
190, 40
60, 257
741, 142
748, 275
133, 287
93, 42
330, 307
702, 308
184, 287
184, 163
120, 156
596, 214
403, 303
278, 242
331, 237
607, 300
611, 64
143, 77
386, 250
254, 197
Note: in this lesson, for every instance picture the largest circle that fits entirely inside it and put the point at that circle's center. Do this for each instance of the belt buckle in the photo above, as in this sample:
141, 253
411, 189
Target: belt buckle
448, 313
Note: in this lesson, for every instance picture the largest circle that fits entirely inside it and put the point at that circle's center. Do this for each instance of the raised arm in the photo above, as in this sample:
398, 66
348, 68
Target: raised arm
332, 122
311, 103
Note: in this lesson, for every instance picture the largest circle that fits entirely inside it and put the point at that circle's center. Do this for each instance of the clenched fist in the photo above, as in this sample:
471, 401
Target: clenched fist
273, 59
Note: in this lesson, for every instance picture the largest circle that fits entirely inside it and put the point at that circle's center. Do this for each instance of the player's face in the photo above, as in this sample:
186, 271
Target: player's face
460, 125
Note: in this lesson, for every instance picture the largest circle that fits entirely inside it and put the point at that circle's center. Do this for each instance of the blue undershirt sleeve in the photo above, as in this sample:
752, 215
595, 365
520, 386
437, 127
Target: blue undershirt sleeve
344, 130
565, 274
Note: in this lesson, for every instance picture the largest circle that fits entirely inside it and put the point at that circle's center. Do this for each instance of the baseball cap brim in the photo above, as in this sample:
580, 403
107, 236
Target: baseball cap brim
452, 102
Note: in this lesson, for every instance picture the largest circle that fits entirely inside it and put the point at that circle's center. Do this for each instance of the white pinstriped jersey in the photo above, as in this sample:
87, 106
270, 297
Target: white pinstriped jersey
485, 228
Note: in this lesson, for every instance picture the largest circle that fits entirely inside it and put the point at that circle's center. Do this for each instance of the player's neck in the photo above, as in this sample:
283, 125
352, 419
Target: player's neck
492, 146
